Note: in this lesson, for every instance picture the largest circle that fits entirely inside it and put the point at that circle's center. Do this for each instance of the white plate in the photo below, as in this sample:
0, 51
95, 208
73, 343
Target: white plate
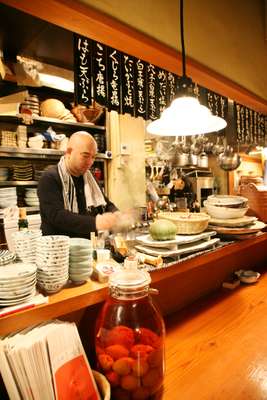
190, 248
17, 301
17, 271
254, 227
179, 240
233, 222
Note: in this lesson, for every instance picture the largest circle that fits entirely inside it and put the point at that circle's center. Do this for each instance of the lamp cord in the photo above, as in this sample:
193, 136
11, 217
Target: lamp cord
182, 35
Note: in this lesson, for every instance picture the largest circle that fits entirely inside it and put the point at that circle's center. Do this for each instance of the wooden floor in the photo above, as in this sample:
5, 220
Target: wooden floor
217, 348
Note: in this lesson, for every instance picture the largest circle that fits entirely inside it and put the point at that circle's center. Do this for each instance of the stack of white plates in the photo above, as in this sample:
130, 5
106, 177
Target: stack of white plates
52, 262
3, 173
8, 197
25, 243
31, 197
81, 260
17, 283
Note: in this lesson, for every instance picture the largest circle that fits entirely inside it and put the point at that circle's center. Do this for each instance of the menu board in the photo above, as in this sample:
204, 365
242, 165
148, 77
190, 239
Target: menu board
127, 84
114, 79
140, 75
82, 70
99, 73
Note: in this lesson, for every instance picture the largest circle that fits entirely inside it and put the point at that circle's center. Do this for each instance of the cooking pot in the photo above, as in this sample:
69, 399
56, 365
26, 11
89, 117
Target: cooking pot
182, 159
193, 158
203, 160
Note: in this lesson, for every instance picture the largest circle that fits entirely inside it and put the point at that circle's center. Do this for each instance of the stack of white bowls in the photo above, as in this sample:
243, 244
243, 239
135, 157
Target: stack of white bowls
52, 261
8, 197
81, 260
25, 245
31, 197
226, 206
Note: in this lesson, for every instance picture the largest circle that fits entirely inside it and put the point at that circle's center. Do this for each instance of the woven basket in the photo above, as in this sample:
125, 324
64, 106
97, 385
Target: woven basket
257, 200
187, 223
103, 385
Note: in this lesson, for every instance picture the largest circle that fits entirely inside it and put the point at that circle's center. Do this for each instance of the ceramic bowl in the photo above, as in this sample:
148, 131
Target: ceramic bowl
80, 257
224, 212
77, 244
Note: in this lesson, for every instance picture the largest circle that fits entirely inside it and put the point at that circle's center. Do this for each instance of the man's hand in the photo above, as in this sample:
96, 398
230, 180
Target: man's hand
106, 221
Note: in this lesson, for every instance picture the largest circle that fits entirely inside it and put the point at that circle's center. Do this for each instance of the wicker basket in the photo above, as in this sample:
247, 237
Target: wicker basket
187, 223
103, 385
257, 200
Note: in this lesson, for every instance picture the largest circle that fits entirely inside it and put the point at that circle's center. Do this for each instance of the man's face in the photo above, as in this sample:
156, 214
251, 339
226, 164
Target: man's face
81, 158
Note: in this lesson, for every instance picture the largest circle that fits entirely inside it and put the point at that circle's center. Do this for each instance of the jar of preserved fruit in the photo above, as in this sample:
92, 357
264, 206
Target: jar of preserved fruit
130, 336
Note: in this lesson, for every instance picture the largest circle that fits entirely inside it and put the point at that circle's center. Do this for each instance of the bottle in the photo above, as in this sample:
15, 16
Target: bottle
130, 336
23, 222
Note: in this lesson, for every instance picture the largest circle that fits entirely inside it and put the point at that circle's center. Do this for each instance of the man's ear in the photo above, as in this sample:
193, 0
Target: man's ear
68, 150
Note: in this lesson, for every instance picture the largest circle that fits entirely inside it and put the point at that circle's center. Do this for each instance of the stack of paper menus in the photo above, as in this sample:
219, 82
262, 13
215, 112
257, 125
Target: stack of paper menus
46, 362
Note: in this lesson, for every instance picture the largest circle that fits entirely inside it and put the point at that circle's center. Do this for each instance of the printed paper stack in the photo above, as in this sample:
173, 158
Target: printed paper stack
47, 362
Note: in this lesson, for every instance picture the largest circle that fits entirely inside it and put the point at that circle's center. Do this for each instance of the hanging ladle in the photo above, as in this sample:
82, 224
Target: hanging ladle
228, 160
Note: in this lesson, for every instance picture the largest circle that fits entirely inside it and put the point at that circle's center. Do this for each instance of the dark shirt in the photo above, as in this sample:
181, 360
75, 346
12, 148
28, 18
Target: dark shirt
55, 220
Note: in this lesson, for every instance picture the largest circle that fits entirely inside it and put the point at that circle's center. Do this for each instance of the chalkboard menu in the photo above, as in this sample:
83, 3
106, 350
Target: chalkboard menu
100, 73
83, 70
114, 79
140, 84
127, 84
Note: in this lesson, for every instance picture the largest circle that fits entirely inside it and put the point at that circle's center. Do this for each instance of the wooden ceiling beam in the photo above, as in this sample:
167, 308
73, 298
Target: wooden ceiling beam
86, 21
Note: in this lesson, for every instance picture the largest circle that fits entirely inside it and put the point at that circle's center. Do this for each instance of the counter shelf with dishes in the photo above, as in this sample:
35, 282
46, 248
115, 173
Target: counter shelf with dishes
179, 284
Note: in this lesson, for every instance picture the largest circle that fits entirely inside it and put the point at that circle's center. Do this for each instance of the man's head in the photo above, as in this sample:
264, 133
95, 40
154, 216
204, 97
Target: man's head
80, 153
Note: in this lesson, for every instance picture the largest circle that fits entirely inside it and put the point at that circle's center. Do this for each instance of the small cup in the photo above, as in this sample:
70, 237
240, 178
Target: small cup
103, 254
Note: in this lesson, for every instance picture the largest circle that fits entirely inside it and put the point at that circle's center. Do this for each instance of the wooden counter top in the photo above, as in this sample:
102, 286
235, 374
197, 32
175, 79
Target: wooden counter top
216, 349
74, 298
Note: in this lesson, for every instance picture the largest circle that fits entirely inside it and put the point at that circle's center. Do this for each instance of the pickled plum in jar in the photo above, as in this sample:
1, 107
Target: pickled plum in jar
130, 338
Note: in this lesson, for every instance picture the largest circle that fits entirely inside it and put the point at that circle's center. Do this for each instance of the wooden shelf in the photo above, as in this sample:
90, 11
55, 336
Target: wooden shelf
45, 121
70, 299
178, 284
15, 152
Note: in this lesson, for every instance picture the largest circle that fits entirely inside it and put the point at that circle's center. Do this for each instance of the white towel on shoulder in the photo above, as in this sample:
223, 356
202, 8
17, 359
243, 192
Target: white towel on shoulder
93, 195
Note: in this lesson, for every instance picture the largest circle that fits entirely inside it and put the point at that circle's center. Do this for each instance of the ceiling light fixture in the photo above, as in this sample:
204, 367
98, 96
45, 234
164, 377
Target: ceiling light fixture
185, 116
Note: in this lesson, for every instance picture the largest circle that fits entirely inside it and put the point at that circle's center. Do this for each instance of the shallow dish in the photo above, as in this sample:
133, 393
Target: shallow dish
248, 276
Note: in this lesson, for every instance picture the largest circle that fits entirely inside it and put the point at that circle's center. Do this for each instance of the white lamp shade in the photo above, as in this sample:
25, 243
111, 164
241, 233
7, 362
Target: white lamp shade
186, 117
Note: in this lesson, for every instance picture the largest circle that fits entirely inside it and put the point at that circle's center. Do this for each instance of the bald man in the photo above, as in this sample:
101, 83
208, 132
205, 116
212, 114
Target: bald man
71, 202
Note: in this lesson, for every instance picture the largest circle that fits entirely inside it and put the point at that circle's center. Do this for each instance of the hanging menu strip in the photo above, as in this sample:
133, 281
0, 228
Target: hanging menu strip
100, 73
162, 83
127, 78
151, 95
82, 69
140, 84
114, 79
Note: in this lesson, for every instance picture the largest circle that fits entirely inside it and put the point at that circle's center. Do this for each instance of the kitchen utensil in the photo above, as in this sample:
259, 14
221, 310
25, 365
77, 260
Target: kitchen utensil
228, 160
203, 160
218, 148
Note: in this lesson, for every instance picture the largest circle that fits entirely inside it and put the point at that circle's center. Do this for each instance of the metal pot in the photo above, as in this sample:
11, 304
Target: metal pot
193, 159
182, 159
203, 160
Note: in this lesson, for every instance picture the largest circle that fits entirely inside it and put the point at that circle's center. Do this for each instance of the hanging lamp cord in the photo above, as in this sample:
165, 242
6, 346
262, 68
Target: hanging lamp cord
182, 35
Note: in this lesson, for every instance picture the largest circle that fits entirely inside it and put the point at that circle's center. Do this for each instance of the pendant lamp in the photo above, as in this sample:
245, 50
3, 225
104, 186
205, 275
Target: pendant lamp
185, 116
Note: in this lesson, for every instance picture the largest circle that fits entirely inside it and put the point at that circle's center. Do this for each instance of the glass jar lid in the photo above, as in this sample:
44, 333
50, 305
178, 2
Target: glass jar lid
130, 280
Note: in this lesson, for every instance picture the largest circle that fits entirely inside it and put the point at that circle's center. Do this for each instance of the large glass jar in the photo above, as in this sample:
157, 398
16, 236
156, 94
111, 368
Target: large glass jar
130, 337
